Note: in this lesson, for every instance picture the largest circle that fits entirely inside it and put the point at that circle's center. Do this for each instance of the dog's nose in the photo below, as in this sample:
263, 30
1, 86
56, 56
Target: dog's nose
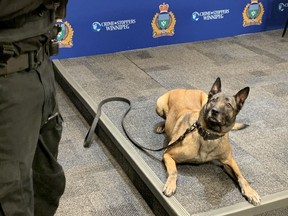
215, 111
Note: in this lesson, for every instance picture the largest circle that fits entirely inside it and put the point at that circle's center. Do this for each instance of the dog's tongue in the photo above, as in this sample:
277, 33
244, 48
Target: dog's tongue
214, 120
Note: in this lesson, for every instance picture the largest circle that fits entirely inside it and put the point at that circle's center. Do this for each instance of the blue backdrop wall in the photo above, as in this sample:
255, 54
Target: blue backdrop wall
98, 27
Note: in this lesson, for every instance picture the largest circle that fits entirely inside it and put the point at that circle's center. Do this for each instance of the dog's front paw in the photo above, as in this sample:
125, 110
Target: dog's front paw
252, 196
169, 188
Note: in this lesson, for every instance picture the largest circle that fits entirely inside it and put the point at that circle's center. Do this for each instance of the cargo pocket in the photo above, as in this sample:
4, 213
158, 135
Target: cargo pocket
11, 191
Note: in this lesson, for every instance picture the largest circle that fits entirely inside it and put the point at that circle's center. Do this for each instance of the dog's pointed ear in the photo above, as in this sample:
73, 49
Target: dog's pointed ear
216, 88
241, 96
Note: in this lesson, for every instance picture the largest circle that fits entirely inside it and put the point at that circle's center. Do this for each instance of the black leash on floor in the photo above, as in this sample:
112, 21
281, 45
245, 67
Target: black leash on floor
89, 137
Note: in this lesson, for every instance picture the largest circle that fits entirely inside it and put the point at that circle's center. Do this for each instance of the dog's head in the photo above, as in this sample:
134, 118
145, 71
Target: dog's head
219, 113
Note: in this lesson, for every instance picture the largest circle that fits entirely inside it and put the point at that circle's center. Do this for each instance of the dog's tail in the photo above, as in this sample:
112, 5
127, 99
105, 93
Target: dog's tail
239, 126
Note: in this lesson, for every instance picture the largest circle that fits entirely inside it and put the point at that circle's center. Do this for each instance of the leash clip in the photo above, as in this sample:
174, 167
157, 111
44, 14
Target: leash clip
190, 129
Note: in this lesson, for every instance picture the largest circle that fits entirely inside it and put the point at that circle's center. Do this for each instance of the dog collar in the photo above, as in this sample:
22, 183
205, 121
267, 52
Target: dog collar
205, 134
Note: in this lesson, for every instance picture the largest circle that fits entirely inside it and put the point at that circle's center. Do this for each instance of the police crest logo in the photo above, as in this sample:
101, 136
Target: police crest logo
253, 13
65, 36
163, 23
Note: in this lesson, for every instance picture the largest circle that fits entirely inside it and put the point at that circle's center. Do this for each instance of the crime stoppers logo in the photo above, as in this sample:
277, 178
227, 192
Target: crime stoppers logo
163, 23
65, 36
209, 15
118, 25
253, 13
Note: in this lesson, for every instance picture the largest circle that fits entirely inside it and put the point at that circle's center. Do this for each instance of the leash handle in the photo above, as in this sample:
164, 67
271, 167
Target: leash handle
89, 136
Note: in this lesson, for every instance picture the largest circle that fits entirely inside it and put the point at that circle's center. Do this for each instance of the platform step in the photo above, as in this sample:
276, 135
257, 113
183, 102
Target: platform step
144, 178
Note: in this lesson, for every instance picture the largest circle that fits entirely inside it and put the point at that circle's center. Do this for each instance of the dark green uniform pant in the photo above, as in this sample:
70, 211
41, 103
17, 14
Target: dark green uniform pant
31, 180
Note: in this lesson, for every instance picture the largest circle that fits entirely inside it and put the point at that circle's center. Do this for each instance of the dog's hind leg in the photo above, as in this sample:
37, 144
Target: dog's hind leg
160, 127
170, 185
239, 126
162, 107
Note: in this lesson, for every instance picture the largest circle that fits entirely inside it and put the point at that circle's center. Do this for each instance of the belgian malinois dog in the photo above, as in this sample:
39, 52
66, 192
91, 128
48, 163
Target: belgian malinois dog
211, 117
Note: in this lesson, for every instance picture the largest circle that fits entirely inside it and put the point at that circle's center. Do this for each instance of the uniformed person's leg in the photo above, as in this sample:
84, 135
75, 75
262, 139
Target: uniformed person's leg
21, 102
48, 175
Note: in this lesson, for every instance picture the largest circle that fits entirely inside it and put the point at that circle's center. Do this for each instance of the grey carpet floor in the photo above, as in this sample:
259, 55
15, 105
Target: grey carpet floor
95, 183
256, 60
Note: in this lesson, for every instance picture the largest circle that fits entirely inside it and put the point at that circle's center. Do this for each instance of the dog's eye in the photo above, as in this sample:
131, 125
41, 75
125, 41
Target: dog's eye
213, 100
229, 105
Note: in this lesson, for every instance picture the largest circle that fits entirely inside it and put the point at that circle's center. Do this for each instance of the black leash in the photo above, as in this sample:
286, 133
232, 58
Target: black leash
89, 137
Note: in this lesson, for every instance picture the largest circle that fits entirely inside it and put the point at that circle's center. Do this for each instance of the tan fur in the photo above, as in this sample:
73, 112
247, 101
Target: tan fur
181, 108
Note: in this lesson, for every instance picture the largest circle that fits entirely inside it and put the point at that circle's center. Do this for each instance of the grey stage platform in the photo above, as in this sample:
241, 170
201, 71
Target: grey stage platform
257, 60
